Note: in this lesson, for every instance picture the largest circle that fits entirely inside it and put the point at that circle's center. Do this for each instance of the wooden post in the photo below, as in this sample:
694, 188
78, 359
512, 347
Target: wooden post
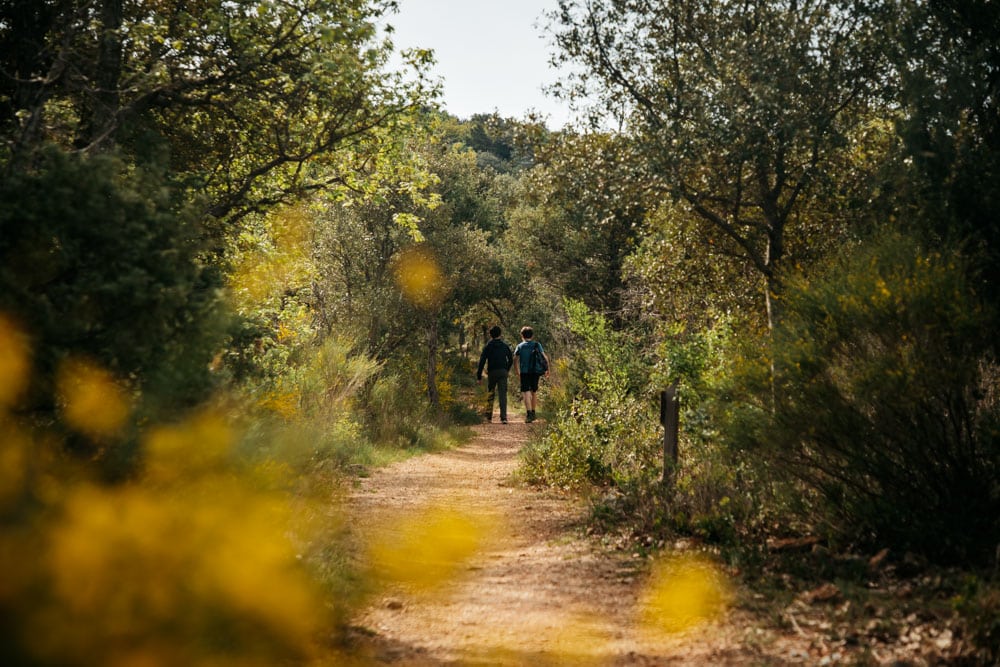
670, 418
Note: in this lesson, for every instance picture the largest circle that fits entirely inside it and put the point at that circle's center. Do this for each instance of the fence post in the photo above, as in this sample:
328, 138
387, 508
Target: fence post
670, 418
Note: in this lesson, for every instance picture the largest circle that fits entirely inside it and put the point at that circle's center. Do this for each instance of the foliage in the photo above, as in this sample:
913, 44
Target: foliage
409, 291
313, 387
577, 215
679, 272
885, 400
197, 558
979, 605
502, 145
948, 59
716, 495
253, 103
605, 435
103, 263
737, 109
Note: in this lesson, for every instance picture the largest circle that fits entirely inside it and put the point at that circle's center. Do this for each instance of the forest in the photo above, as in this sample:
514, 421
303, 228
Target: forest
244, 260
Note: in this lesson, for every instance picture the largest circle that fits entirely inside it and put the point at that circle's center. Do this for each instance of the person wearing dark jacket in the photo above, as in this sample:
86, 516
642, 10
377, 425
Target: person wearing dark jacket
497, 359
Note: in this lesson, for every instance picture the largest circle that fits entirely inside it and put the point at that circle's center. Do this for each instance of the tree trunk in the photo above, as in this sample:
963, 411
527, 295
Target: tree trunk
772, 291
100, 126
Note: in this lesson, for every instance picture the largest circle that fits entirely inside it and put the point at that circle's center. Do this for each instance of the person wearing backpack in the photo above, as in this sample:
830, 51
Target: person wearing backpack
497, 360
530, 364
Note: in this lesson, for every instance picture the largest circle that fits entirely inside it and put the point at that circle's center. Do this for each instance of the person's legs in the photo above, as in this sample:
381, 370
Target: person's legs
491, 385
501, 386
525, 394
529, 387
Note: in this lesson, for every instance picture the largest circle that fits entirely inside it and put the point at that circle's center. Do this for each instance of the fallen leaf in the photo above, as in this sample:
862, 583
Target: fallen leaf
824, 593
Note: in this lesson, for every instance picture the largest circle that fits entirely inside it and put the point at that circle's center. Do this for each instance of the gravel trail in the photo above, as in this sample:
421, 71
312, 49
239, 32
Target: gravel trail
537, 592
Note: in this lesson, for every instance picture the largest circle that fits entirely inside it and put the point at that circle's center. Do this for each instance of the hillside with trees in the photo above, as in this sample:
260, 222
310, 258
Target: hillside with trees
244, 260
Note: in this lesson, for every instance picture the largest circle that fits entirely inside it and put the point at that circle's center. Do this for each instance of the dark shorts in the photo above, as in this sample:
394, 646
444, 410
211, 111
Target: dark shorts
529, 381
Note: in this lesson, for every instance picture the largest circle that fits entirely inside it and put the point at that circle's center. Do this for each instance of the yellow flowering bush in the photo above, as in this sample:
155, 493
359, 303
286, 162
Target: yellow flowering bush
195, 560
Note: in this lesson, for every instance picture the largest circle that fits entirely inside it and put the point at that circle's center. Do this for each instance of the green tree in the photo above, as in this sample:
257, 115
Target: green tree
577, 216
737, 109
249, 100
366, 258
100, 261
948, 61
889, 412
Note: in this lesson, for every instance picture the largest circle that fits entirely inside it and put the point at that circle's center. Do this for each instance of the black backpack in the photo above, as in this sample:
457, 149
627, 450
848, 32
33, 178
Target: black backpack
536, 360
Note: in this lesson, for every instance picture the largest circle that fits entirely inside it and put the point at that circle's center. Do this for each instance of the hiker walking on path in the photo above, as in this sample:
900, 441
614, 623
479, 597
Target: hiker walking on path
497, 360
530, 364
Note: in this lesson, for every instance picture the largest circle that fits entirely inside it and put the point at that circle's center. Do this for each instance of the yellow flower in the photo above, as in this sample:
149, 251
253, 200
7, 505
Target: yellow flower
92, 401
426, 549
683, 592
419, 277
15, 364
186, 450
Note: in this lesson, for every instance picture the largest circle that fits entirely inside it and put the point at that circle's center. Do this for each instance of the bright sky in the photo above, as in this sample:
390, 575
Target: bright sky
492, 54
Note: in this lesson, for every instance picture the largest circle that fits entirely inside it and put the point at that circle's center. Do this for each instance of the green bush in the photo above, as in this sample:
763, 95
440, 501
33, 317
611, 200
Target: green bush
716, 495
884, 402
608, 433
103, 263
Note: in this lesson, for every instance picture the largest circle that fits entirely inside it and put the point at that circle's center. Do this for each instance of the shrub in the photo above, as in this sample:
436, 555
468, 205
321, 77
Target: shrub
607, 434
884, 400
979, 609
200, 557
102, 262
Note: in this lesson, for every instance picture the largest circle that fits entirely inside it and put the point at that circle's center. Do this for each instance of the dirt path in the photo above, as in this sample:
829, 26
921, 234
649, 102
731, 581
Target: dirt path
537, 593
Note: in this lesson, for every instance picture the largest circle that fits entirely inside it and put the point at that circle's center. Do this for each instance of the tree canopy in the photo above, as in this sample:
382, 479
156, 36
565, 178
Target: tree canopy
738, 109
252, 102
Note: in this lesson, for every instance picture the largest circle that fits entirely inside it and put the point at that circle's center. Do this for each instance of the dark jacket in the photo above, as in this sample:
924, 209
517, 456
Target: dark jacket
496, 356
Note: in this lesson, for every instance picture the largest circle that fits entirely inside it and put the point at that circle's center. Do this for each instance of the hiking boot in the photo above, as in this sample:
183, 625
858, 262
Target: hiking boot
530, 418
503, 420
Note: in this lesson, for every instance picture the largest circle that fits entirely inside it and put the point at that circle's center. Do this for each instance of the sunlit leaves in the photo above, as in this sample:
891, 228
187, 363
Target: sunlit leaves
577, 214
278, 259
256, 102
738, 109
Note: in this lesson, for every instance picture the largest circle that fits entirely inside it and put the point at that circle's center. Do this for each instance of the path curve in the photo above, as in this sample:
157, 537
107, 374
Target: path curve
538, 593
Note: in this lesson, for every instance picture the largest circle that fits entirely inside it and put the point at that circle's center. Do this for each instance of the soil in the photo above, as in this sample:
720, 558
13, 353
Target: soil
539, 591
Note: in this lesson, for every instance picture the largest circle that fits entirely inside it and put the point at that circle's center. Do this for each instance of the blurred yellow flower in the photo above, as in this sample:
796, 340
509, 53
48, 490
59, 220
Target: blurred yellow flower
683, 592
281, 260
160, 576
419, 277
13, 464
187, 450
92, 401
15, 362
285, 403
426, 549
